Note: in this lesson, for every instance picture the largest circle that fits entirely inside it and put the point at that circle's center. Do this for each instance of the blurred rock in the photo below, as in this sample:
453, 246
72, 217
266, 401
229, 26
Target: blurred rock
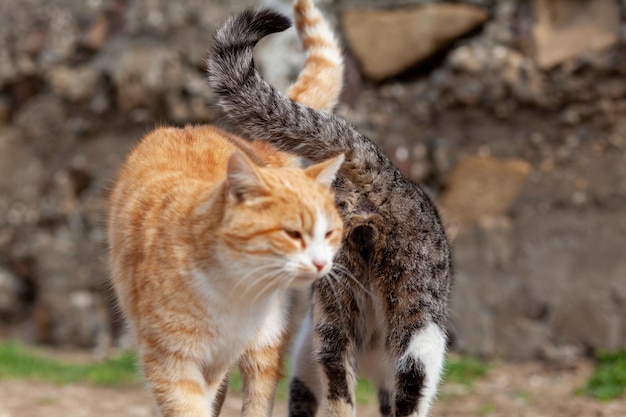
579, 274
405, 37
162, 17
483, 187
543, 302
502, 69
140, 72
43, 124
5, 110
96, 35
75, 84
12, 294
69, 296
566, 29
21, 174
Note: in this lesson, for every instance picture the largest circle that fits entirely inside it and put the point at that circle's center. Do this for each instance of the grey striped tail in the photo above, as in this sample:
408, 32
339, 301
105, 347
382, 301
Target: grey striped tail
263, 113
231, 61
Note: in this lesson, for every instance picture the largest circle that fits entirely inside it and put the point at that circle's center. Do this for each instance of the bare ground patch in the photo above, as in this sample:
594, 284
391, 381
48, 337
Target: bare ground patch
530, 389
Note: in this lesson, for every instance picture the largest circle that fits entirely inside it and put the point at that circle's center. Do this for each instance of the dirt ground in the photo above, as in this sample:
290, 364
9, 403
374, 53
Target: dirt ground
513, 390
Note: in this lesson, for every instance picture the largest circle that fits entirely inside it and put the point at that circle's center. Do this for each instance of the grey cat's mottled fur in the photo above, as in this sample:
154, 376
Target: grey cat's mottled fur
386, 313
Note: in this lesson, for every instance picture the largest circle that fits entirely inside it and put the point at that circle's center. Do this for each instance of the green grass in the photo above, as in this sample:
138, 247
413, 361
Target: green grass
458, 369
464, 370
364, 390
19, 362
487, 409
608, 381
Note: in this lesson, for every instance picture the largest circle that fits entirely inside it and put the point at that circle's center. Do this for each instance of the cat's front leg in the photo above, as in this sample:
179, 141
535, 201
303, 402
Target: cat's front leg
179, 385
221, 396
262, 363
261, 371
305, 386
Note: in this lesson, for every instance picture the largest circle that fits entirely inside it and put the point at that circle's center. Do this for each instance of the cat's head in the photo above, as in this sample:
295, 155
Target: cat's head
281, 223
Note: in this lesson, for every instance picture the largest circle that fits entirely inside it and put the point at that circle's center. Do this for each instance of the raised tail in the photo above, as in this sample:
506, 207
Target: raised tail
231, 62
263, 113
321, 79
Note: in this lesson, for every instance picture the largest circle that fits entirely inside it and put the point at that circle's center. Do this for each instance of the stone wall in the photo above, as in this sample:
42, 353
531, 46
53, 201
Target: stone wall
508, 112
80, 82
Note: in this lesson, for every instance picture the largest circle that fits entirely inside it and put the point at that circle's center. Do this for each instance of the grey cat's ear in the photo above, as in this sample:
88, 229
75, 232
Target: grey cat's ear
325, 172
242, 178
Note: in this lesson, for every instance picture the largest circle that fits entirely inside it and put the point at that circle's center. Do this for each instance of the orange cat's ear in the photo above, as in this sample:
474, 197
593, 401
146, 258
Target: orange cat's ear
242, 178
325, 172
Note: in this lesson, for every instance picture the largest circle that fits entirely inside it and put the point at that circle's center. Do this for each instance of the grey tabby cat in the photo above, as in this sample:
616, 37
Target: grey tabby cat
385, 312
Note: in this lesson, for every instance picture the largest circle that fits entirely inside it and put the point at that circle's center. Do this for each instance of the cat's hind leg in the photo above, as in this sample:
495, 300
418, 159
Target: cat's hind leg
418, 371
384, 402
305, 389
337, 332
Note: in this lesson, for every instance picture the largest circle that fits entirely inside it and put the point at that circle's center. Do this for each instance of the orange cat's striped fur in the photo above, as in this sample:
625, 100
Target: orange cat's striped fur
206, 232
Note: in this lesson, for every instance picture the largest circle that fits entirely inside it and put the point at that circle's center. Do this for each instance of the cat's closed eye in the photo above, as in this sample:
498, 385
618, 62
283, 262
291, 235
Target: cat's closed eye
329, 234
294, 234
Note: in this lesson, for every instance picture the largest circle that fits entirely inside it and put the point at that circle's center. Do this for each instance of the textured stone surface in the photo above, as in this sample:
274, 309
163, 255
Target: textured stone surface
12, 292
388, 42
566, 29
551, 295
483, 187
540, 270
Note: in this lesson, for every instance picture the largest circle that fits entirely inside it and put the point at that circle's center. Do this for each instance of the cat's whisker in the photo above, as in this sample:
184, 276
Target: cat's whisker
346, 272
271, 281
253, 288
330, 277
287, 284
242, 282
266, 267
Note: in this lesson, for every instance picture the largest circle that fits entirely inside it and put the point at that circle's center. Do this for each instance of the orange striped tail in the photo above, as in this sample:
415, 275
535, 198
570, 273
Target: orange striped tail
321, 79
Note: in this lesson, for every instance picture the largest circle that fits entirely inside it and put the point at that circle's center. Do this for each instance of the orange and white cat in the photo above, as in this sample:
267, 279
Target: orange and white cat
207, 232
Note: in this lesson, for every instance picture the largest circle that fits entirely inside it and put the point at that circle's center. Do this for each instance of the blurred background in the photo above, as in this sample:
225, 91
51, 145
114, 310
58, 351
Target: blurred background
510, 113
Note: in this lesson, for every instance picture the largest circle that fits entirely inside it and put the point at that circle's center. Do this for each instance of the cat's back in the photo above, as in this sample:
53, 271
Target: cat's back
196, 152
190, 152
193, 156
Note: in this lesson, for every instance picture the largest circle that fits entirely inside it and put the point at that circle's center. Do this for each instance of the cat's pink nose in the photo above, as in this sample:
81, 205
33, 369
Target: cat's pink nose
319, 265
